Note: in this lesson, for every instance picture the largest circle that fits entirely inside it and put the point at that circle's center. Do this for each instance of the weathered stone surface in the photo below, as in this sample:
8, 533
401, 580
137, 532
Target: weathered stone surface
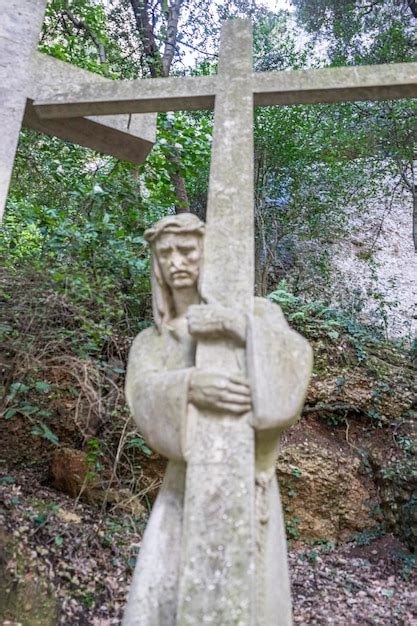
130, 96
20, 25
221, 516
387, 237
127, 137
215, 528
342, 84
23, 73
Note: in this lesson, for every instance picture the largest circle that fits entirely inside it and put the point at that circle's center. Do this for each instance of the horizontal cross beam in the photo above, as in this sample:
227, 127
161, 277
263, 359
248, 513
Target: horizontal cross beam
328, 85
24, 72
128, 96
127, 137
336, 84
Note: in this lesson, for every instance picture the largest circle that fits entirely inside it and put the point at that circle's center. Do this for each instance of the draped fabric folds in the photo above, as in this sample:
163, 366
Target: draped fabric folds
159, 369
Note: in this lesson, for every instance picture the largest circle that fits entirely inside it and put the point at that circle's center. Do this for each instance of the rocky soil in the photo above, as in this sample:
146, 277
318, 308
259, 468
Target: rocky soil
78, 480
66, 562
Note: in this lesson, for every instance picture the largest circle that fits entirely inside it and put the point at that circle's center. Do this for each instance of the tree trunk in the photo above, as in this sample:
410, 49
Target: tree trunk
144, 27
415, 216
172, 15
261, 249
160, 66
182, 206
261, 260
413, 6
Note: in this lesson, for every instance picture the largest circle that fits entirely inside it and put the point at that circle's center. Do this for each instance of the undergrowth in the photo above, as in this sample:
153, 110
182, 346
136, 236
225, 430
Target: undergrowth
317, 319
64, 348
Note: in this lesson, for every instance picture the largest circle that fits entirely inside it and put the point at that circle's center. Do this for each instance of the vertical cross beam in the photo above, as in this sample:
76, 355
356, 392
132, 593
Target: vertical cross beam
217, 571
20, 24
230, 213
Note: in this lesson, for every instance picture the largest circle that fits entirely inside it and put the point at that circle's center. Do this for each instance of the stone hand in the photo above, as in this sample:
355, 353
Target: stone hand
213, 321
220, 392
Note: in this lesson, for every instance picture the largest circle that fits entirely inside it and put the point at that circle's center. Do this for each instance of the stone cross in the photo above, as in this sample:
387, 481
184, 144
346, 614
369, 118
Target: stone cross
24, 73
217, 583
221, 555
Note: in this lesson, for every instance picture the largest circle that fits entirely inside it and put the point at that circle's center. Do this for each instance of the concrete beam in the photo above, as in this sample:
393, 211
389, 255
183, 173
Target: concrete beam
20, 24
126, 137
372, 82
128, 96
217, 576
341, 84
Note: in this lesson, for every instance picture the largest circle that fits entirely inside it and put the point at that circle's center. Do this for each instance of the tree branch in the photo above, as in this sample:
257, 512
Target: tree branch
188, 45
81, 25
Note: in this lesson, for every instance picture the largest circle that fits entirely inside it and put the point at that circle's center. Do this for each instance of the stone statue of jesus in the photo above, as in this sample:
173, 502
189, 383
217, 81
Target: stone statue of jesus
165, 390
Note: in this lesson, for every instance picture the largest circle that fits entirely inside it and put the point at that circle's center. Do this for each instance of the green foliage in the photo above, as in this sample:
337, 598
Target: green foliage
313, 162
342, 346
315, 318
18, 401
291, 527
307, 316
42, 430
409, 560
78, 32
88, 599
189, 137
139, 443
402, 469
83, 220
7, 480
383, 30
94, 454
296, 472
367, 536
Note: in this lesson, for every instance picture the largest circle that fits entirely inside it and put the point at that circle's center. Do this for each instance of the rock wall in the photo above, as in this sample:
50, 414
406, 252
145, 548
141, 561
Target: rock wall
325, 493
373, 269
377, 264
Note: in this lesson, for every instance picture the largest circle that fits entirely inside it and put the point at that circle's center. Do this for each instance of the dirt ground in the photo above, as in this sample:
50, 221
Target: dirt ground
66, 562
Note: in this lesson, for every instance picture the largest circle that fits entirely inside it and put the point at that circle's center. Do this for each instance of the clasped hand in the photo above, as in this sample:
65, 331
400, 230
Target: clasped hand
217, 391
213, 321
220, 392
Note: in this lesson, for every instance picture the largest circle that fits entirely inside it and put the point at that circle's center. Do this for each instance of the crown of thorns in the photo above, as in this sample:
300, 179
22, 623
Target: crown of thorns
176, 224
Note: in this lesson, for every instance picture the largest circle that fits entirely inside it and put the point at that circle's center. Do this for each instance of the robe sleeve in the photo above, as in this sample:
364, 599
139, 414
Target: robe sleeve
279, 365
157, 397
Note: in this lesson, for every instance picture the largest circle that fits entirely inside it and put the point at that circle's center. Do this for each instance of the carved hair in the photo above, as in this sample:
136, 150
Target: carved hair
162, 300
182, 223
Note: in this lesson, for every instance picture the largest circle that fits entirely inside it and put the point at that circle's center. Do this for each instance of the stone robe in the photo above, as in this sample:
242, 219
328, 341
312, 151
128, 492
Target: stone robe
158, 374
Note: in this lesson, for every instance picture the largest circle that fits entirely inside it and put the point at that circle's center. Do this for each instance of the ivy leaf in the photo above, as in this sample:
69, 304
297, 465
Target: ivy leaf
139, 443
7, 480
42, 430
42, 386
28, 409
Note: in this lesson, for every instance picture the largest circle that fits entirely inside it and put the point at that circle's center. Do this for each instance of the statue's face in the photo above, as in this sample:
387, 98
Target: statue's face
179, 257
